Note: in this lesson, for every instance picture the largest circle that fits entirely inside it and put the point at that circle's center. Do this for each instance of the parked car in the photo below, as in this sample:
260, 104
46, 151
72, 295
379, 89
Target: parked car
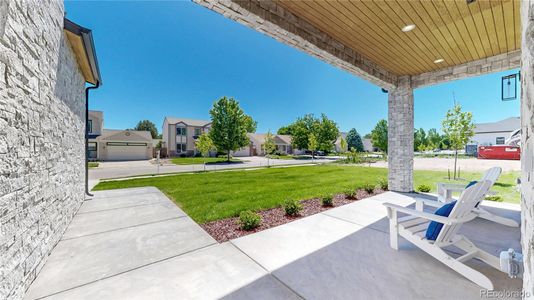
316, 153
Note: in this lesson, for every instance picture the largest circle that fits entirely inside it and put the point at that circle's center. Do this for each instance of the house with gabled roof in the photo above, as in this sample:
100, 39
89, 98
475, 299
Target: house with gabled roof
494, 133
257, 140
116, 144
179, 135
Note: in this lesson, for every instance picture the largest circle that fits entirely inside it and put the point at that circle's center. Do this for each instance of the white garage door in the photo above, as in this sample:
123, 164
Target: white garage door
245, 151
127, 151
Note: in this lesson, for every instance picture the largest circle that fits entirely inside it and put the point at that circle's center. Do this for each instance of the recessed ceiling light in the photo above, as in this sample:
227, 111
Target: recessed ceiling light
439, 60
409, 27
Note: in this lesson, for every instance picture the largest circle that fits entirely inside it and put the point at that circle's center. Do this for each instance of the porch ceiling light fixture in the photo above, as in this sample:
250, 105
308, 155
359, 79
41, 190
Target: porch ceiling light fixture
439, 60
408, 27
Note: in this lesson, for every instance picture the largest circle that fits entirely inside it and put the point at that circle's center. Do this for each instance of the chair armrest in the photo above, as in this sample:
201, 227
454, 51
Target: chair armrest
432, 203
451, 186
420, 214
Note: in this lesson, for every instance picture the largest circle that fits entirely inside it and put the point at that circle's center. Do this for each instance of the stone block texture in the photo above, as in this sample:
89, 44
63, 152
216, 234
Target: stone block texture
527, 146
400, 136
273, 20
42, 107
497, 63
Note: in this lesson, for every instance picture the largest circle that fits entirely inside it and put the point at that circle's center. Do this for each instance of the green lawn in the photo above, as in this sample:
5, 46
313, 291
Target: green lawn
199, 160
216, 195
93, 164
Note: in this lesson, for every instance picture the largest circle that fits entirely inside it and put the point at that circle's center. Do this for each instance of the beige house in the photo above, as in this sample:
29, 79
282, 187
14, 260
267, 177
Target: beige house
112, 144
179, 135
283, 144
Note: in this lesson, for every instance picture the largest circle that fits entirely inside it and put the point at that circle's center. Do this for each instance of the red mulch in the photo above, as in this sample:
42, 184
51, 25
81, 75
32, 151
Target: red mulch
227, 229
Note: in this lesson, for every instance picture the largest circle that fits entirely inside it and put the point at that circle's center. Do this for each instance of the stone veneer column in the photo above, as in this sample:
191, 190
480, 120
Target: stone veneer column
527, 145
400, 136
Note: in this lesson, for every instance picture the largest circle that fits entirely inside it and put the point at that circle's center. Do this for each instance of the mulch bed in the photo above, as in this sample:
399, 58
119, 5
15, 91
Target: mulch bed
227, 229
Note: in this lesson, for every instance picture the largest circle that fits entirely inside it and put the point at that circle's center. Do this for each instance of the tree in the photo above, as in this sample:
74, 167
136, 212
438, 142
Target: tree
229, 125
251, 125
420, 140
379, 135
343, 144
147, 125
269, 145
204, 144
326, 133
288, 130
301, 130
433, 138
312, 144
354, 140
458, 128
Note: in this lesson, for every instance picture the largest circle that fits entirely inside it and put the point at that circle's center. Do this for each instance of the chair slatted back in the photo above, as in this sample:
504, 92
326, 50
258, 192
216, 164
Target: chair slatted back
492, 175
463, 208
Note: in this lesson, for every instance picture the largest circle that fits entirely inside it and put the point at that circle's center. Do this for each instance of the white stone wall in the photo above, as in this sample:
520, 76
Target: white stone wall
42, 108
527, 145
400, 136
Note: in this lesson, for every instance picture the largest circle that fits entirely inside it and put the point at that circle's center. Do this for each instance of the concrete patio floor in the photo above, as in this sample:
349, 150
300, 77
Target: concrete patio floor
136, 244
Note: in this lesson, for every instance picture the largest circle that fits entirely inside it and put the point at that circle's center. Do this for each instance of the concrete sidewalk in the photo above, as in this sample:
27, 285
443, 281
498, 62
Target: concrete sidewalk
135, 244
137, 168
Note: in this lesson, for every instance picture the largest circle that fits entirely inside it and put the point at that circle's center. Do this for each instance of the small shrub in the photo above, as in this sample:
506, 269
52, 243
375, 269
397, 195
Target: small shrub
292, 207
423, 188
369, 188
494, 198
183, 155
351, 193
327, 200
383, 184
249, 220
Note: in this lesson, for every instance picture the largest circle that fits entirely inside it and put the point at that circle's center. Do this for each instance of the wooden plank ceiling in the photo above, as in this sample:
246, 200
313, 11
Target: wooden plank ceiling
451, 30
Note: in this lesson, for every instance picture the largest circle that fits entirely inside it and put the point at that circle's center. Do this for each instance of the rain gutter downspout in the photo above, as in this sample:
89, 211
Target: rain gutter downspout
87, 136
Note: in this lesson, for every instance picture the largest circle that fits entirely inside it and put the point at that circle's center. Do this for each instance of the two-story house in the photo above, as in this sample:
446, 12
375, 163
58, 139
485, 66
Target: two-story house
116, 144
179, 135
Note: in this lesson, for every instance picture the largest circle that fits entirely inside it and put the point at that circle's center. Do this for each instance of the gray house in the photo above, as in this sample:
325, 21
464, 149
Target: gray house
495, 133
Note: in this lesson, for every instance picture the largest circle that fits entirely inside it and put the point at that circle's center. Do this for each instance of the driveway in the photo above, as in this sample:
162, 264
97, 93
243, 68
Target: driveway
136, 244
145, 167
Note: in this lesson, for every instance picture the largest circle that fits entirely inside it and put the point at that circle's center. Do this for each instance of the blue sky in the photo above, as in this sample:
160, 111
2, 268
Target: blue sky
177, 58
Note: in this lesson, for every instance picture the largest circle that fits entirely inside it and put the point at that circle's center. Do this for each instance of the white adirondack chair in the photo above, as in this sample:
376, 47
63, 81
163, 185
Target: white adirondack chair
413, 228
445, 191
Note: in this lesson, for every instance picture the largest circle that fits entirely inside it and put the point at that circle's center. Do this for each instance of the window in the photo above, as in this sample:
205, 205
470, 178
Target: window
90, 126
181, 148
198, 131
181, 131
499, 141
92, 150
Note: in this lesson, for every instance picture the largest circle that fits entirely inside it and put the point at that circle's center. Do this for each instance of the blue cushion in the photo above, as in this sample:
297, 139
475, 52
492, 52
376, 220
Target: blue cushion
471, 183
434, 227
